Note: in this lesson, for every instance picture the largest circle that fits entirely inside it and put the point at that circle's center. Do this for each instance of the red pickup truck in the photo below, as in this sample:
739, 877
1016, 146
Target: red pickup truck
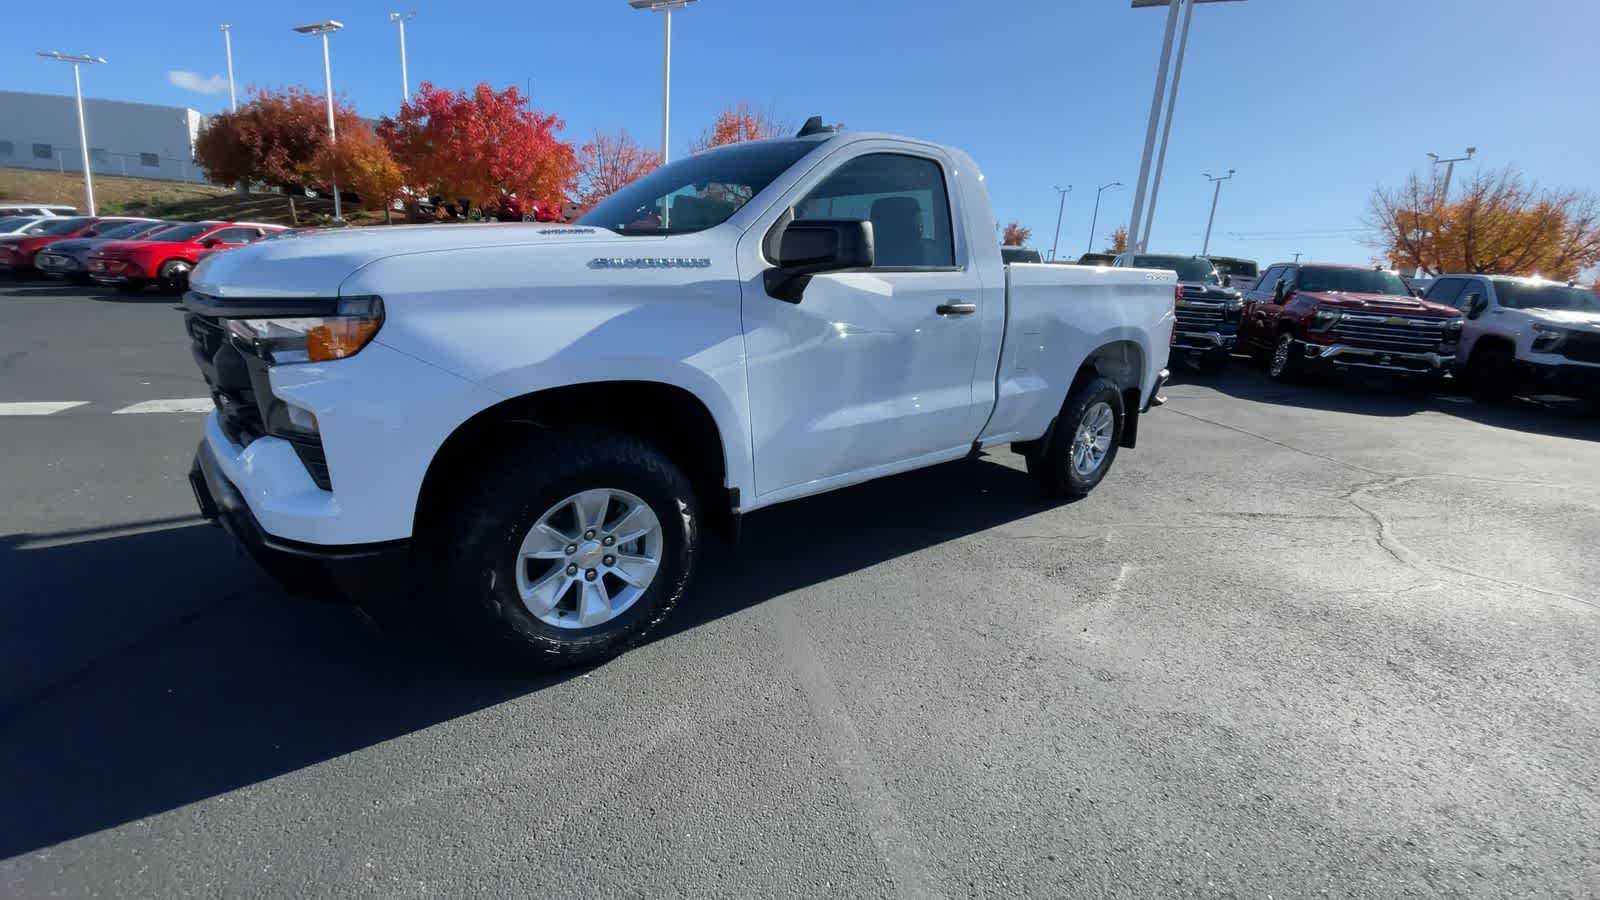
167, 258
1308, 316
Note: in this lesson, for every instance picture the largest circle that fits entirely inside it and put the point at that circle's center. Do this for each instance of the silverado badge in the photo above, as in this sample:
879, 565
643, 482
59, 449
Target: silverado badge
650, 262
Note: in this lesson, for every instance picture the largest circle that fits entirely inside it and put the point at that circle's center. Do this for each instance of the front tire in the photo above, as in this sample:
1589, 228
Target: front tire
1082, 446
174, 275
571, 552
1286, 364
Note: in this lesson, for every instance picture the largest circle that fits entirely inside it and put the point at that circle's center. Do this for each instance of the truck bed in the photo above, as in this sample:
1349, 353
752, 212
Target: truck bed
1060, 317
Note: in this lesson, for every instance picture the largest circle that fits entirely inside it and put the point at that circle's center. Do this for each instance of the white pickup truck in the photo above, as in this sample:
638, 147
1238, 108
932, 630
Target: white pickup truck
530, 423
1524, 334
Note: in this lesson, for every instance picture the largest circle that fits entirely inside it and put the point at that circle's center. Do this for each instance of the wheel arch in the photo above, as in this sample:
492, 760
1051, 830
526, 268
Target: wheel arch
666, 415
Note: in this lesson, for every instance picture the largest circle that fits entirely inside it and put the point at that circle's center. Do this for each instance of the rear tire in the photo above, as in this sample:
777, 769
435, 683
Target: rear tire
513, 589
1079, 451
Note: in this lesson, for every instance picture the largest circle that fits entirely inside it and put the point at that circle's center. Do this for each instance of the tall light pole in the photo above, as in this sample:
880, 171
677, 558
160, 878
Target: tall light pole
227, 42
323, 29
1450, 168
665, 7
83, 130
1217, 180
405, 79
1060, 211
1166, 126
1096, 219
1142, 217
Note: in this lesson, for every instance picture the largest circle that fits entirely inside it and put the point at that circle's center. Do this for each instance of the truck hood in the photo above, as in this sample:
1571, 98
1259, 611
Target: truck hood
1567, 318
1381, 303
314, 264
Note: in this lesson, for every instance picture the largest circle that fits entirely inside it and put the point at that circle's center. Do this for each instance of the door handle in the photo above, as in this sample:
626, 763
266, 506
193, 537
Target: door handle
956, 308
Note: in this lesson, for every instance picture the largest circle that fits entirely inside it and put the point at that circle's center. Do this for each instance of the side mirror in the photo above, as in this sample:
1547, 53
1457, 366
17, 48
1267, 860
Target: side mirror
1417, 293
808, 247
1476, 304
209, 242
1227, 281
1279, 290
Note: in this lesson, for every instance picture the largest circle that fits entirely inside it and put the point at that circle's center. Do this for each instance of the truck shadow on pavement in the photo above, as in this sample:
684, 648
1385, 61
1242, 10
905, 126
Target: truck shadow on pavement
141, 672
1379, 396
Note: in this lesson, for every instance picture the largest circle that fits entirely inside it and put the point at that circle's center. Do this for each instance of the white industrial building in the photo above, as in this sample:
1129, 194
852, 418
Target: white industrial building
40, 131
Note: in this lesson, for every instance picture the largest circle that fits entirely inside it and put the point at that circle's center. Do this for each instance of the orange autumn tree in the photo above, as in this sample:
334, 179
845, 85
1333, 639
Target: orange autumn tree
480, 145
1500, 224
275, 137
360, 161
1119, 240
610, 162
1015, 235
737, 124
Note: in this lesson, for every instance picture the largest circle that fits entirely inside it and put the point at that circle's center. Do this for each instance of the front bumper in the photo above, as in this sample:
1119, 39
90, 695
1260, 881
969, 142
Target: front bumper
344, 573
1204, 340
1574, 379
1347, 356
56, 264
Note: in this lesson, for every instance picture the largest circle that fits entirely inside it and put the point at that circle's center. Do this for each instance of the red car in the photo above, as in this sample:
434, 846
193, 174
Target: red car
1303, 317
18, 250
167, 258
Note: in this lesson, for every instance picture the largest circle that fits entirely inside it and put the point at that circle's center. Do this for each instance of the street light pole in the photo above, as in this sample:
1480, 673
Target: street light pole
1060, 211
405, 79
83, 130
227, 42
1096, 219
323, 29
1450, 168
1218, 180
665, 7
1166, 126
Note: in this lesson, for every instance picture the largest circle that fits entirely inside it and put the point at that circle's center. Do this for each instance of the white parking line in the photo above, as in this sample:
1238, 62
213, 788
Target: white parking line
187, 405
37, 409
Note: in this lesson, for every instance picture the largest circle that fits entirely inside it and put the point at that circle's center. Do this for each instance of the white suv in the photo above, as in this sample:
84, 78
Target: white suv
1524, 334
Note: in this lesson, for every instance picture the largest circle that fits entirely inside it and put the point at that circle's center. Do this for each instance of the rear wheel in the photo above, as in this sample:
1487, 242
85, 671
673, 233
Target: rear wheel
174, 275
1079, 451
572, 551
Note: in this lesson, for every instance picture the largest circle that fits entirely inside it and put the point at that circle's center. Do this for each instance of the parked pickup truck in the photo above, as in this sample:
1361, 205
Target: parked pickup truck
1524, 334
1302, 317
531, 423
1208, 309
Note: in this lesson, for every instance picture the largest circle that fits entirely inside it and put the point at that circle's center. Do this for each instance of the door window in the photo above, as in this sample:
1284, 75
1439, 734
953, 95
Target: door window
235, 235
905, 199
1446, 290
1268, 279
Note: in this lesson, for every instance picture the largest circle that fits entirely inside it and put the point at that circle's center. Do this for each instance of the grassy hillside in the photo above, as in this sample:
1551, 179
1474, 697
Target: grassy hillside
119, 195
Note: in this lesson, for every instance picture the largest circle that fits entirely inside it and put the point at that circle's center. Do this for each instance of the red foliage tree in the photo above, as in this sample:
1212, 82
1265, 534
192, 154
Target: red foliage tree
736, 124
273, 137
358, 160
1015, 235
609, 163
480, 146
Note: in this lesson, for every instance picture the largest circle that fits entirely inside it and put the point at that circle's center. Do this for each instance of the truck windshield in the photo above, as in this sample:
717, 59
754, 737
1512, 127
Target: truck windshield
1189, 268
1352, 281
698, 192
1521, 295
1238, 268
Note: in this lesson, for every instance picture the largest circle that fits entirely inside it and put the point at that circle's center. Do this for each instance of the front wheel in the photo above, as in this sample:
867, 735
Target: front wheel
1286, 364
1081, 448
174, 275
573, 551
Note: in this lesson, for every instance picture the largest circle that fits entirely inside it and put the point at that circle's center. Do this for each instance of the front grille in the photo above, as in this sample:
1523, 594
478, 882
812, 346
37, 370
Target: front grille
242, 391
1195, 315
1582, 347
1398, 334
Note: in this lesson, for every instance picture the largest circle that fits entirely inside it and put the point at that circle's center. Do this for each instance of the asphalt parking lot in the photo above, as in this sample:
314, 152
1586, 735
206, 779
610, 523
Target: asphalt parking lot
1325, 639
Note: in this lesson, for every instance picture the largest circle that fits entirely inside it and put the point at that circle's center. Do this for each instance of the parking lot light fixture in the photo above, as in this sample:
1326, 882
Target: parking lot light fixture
83, 129
1060, 210
1095, 220
1450, 168
665, 7
405, 80
323, 29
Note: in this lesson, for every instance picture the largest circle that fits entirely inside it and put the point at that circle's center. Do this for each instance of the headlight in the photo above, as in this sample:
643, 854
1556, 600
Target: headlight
1324, 318
1548, 340
1453, 326
312, 339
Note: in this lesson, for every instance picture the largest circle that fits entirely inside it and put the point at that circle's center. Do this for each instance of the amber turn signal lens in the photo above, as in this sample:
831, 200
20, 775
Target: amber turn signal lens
339, 338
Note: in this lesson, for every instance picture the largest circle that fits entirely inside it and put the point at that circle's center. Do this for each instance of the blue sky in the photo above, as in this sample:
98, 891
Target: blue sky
1312, 101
